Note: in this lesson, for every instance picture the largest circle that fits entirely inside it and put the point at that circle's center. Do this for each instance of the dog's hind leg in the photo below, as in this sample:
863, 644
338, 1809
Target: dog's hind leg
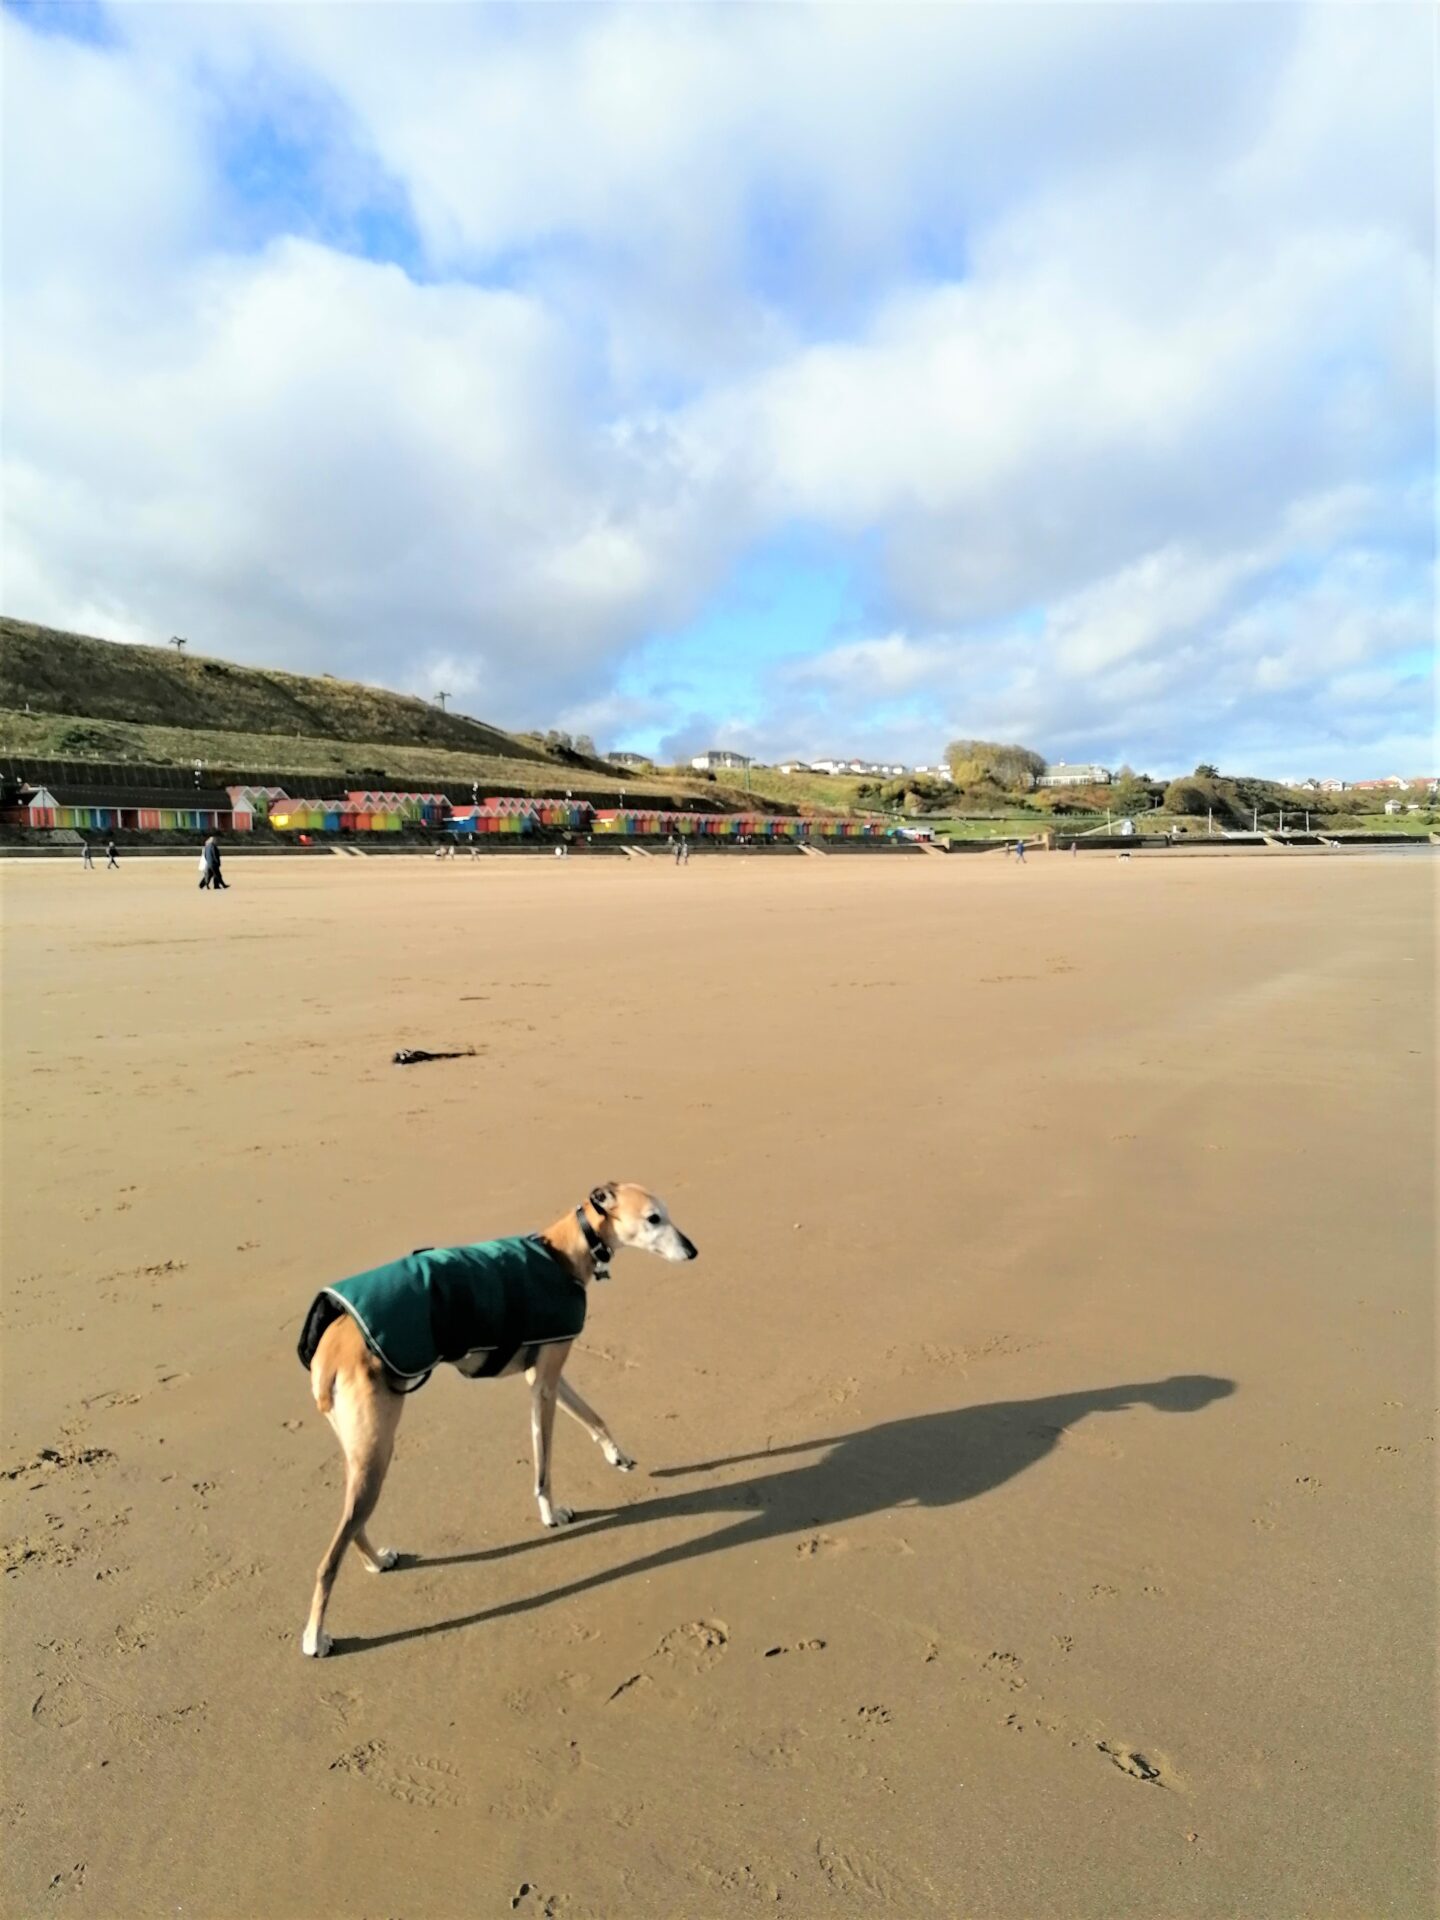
582, 1411
544, 1379
364, 1413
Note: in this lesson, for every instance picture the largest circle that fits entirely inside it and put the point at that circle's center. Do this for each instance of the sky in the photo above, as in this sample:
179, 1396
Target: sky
807, 379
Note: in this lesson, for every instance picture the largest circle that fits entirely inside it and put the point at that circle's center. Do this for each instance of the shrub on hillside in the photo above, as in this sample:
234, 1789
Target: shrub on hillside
1011, 769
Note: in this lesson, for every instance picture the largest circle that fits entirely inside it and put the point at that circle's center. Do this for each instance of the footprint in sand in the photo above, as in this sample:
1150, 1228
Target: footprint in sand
817, 1544
528, 1899
851, 1870
871, 1720
418, 1781
685, 1651
800, 1646
1005, 1667
59, 1460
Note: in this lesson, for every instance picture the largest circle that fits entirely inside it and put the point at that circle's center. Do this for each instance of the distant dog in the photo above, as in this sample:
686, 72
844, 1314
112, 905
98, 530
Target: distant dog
498, 1307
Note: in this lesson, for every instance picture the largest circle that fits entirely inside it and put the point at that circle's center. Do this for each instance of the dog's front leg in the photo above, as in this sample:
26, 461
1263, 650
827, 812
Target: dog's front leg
544, 1379
582, 1411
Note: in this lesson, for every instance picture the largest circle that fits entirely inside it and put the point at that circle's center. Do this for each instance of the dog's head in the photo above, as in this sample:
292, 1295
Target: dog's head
640, 1219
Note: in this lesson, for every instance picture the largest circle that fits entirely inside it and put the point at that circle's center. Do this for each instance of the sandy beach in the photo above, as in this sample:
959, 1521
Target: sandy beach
1034, 1513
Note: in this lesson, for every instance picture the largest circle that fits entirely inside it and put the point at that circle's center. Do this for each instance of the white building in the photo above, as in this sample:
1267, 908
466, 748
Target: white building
942, 772
873, 768
714, 759
1062, 774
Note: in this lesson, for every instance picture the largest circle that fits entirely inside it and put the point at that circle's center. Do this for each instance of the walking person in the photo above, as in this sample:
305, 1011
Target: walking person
1020, 851
86, 857
210, 874
111, 856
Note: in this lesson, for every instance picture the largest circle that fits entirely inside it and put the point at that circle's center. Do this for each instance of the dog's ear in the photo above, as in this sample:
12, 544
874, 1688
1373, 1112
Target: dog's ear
603, 1198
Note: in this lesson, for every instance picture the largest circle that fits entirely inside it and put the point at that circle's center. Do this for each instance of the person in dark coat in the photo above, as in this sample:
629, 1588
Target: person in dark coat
212, 876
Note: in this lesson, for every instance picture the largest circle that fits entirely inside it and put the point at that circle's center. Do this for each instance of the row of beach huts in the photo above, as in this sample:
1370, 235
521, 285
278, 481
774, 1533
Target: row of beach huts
239, 809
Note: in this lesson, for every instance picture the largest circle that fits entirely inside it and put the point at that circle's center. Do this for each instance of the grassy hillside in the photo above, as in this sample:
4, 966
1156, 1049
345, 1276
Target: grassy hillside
101, 680
794, 791
69, 696
74, 737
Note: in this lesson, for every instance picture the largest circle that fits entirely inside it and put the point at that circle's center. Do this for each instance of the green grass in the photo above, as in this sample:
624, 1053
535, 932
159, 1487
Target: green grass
1018, 826
64, 674
1417, 824
71, 737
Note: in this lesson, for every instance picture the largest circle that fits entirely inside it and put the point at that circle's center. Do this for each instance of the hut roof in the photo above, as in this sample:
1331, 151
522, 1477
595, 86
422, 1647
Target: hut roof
207, 799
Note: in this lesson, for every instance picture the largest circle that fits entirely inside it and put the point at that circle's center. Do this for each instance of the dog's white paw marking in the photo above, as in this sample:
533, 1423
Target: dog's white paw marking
616, 1458
556, 1516
316, 1645
385, 1559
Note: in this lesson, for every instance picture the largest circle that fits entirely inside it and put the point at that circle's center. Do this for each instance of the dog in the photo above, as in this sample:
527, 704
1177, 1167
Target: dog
496, 1308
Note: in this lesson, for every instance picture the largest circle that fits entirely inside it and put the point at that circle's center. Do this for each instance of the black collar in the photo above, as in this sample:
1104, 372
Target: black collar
595, 1246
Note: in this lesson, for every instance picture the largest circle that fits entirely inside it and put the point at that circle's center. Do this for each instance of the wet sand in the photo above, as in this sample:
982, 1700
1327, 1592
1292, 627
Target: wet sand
1034, 1507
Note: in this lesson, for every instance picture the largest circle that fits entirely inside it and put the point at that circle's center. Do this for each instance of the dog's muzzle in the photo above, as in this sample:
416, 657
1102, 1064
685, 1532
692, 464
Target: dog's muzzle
692, 1252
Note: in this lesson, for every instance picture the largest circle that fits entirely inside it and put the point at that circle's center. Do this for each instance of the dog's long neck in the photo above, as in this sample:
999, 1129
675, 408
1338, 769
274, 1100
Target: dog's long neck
566, 1239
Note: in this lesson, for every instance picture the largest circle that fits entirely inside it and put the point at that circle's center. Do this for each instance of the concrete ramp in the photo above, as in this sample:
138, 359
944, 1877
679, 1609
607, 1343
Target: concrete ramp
637, 853
818, 852
929, 846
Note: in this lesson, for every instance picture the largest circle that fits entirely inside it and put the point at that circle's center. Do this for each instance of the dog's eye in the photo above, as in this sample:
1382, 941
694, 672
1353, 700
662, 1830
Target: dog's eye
652, 1219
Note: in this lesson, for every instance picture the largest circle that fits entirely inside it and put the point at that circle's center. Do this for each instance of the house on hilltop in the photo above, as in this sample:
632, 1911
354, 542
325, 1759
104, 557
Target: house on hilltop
1064, 774
716, 759
871, 767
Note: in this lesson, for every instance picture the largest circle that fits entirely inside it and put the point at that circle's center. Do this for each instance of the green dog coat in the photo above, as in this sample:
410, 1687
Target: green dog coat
480, 1304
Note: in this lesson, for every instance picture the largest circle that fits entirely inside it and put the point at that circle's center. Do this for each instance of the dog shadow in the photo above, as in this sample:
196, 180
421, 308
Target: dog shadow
930, 1460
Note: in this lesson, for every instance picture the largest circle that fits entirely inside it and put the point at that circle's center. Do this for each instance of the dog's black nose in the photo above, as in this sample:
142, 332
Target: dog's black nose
692, 1252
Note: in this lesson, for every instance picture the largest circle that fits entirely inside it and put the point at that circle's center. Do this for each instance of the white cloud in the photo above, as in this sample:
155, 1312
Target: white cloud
1106, 347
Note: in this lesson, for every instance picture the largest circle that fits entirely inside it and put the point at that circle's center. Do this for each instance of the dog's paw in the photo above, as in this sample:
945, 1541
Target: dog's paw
315, 1645
555, 1516
621, 1461
385, 1559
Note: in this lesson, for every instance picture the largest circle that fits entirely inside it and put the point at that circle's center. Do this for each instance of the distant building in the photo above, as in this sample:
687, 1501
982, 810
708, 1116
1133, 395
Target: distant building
794, 766
872, 768
1332, 786
622, 758
942, 772
1062, 774
715, 758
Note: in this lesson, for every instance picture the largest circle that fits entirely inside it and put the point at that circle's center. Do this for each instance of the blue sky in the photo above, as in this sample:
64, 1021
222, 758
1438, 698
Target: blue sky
804, 379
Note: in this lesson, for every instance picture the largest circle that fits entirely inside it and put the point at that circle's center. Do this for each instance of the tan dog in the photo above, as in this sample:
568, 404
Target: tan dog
371, 1340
